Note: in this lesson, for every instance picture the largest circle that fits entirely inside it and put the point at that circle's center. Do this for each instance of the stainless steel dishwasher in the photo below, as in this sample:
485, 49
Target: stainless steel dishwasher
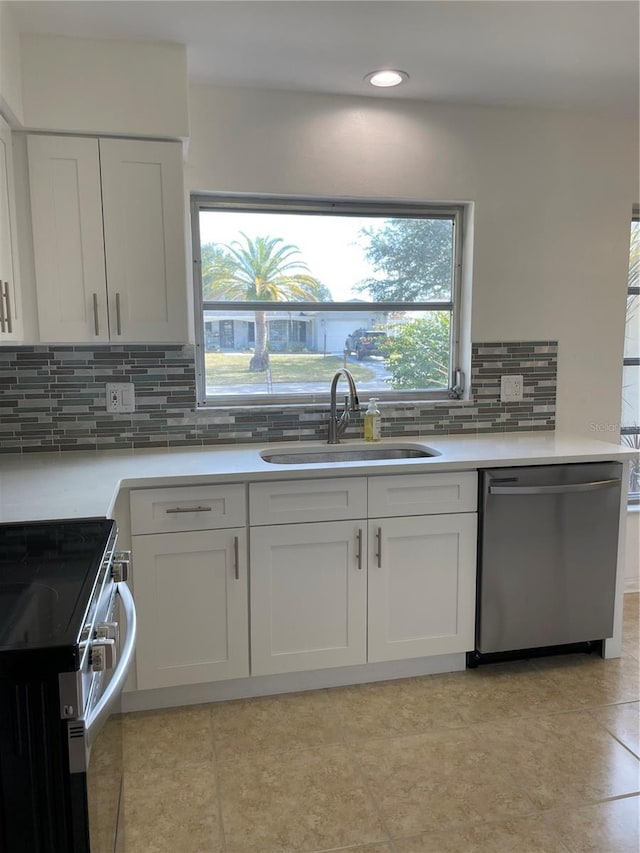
547, 556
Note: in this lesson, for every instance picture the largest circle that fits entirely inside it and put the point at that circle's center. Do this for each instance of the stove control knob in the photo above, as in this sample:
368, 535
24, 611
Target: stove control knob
103, 655
107, 631
120, 567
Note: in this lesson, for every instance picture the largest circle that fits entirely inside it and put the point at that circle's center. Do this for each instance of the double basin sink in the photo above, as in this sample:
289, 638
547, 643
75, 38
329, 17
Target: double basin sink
339, 453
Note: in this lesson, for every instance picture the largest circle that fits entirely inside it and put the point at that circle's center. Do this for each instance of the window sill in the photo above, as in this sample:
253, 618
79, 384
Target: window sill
214, 409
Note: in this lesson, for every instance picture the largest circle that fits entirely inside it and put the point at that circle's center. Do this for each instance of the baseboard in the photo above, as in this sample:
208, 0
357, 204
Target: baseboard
632, 585
290, 682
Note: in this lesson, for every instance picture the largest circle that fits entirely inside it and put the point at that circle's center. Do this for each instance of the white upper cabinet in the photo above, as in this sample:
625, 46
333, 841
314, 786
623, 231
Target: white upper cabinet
143, 207
66, 211
10, 307
108, 239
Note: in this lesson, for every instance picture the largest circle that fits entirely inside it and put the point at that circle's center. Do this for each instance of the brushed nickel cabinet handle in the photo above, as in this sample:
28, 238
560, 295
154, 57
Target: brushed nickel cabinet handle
96, 322
2, 317
359, 548
188, 509
379, 545
236, 556
9, 318
118, 315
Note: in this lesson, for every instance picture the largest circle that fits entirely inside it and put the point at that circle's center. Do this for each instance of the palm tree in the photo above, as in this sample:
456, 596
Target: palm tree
262, 270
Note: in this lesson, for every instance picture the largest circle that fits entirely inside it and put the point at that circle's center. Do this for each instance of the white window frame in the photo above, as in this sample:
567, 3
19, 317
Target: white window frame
632, 361
355, 207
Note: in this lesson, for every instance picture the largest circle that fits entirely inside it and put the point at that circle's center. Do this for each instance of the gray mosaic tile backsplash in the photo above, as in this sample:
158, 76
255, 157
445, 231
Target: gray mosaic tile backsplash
53, 398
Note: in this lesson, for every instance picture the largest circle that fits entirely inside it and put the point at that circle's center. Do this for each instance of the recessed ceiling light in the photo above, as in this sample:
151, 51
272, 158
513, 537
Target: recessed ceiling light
386, 77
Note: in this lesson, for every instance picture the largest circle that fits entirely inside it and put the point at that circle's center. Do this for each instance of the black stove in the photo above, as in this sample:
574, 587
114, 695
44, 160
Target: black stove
65, 653
48, 574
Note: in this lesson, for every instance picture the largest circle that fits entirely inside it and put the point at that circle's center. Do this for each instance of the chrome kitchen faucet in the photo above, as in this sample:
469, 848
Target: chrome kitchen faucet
337, 425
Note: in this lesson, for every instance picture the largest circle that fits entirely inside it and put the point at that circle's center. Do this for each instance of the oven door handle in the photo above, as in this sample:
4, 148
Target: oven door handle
98, 714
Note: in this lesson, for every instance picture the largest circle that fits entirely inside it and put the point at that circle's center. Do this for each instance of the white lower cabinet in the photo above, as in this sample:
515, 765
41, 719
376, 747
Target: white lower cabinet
191, 598
422, 577
318, 601
337, 592
308, 596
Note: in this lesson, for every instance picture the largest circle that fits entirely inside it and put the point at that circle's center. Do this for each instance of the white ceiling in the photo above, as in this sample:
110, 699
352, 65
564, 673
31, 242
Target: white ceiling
548, 53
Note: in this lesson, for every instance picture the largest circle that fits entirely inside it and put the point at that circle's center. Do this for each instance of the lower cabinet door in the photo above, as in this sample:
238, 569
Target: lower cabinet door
422, 573
308, 596
191, 598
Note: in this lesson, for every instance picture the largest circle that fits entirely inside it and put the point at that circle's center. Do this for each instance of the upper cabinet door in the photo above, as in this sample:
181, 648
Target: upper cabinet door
143, 207
66, 209
10, 307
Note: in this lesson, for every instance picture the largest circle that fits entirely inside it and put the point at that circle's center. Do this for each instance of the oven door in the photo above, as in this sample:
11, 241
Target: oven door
95, 743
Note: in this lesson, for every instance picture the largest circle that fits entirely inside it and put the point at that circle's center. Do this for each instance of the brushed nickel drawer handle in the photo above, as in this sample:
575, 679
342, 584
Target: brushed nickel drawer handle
359, 549
188, 509
379, 544
236, 546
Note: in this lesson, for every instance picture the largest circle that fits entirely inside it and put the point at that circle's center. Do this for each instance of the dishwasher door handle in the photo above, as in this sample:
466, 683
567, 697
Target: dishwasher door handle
566, 489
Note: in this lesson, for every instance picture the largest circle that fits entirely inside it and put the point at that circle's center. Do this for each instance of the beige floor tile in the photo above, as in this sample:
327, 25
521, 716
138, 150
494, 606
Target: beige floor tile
368, 848
631, 613
415, 705
176, 737
631, 646
611, 827
499, 691
590, 680
524, 835
171, 812
389, 708
623, 721
291, 802
562, 759
439, 779
274, 724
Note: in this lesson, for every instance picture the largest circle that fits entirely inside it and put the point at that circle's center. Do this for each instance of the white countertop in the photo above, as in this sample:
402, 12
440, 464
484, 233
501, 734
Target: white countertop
86, 483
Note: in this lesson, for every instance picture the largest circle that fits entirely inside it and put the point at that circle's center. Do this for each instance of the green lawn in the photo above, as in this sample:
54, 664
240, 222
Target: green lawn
233, 369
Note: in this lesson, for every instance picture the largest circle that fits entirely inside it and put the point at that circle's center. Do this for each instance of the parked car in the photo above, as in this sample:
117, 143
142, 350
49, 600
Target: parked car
365, 342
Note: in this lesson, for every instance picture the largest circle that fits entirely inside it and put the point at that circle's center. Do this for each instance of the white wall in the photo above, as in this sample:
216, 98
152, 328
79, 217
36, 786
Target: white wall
104, 86
632, 558
553, 193
10, 81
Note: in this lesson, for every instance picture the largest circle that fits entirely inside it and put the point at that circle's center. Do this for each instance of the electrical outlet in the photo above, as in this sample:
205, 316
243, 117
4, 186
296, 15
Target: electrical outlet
120, 397
511, 388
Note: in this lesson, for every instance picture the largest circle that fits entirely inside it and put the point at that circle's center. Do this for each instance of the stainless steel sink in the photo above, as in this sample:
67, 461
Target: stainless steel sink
348, 454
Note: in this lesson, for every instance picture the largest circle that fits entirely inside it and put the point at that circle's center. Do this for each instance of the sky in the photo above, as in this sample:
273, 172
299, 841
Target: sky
339, 269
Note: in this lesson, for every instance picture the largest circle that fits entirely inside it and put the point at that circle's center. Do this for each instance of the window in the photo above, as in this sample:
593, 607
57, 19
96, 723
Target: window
287, 292
630, 418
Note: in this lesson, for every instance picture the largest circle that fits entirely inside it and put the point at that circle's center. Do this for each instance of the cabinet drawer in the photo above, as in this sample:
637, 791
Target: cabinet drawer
422, 494
188, 508
307, 500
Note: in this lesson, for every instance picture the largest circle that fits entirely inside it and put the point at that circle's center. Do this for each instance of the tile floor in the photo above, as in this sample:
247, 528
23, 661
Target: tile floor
528, 757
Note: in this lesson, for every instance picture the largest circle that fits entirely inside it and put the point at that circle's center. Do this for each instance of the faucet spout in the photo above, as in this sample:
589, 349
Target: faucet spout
338, 424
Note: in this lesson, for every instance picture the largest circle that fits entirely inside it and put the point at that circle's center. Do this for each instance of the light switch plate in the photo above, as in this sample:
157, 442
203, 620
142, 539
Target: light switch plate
120, 397
511, 388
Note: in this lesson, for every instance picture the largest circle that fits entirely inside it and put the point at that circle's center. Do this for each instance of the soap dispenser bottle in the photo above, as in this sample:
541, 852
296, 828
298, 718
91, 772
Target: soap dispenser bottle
372, 421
